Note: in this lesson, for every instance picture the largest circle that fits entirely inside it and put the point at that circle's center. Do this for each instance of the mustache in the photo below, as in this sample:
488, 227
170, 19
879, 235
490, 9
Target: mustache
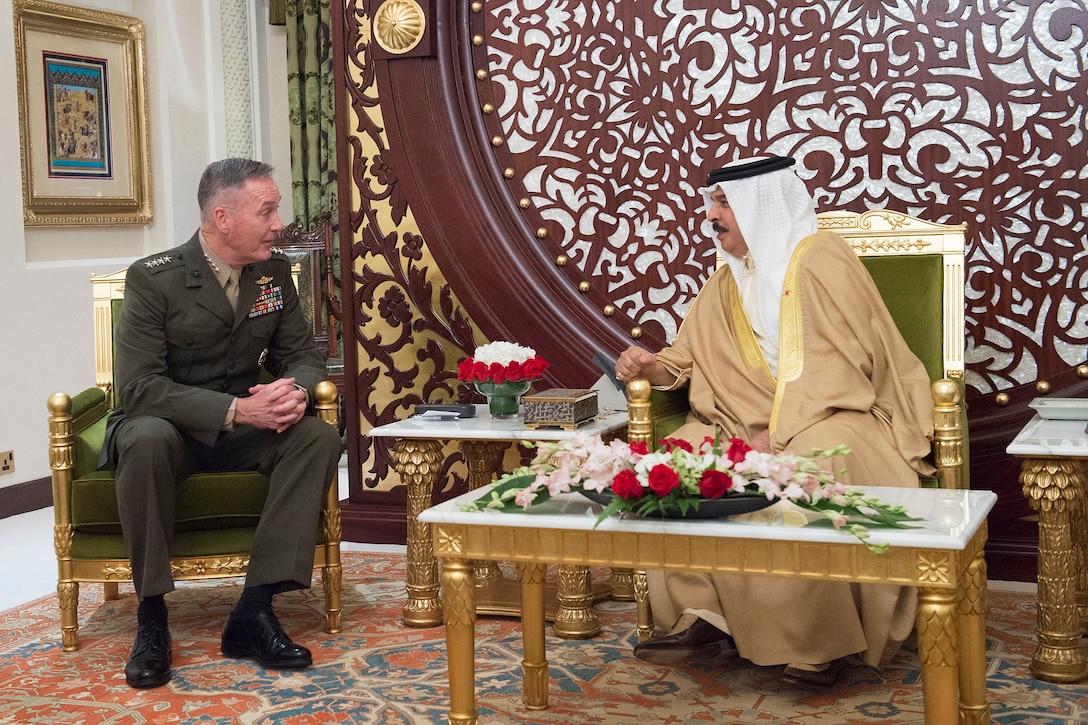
718, 228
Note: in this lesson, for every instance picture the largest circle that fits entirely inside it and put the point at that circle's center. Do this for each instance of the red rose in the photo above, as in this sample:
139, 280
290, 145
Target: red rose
626, 485
464, 369
640, 448
496, 373
738, 449
714, 484
663, 479
533, 368
671, 444
514, 371
479, 371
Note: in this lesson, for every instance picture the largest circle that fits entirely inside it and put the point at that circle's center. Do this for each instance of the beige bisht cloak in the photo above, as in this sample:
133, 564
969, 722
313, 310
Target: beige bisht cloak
845, 376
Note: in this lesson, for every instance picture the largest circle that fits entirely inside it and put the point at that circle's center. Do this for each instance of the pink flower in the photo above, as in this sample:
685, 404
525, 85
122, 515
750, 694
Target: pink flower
524, 497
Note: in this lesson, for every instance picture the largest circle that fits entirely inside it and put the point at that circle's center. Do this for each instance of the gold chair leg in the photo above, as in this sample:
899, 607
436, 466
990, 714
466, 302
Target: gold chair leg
68, 599
331, 584
110, 591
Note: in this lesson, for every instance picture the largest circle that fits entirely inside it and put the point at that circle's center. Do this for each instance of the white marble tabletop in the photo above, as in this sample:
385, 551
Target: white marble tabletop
483, 427
951, 518
1051, 437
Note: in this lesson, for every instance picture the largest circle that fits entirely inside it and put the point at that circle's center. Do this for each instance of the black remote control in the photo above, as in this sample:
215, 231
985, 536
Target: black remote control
463, 410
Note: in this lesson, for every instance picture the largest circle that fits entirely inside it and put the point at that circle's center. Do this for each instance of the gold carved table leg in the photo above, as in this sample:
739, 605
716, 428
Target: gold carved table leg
575, 617
534, 664
482, 459
622, 583
459, 595
974, 709
418, 463
936, 628
572, 609
644, 616
1055, 488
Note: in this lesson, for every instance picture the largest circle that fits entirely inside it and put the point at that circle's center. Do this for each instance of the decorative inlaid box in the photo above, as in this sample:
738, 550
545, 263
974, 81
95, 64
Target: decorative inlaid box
559, 407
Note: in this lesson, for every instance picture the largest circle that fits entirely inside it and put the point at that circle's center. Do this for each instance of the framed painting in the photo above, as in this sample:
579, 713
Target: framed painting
83, 125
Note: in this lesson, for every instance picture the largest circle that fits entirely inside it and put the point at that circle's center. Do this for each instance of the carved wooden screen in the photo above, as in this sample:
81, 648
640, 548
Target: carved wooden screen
527, 170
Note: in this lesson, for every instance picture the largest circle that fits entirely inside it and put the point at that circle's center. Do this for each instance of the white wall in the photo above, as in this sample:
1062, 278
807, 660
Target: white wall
46, 336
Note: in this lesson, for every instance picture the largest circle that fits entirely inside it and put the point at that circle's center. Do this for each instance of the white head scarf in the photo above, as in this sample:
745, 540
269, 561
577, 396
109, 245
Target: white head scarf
774, 212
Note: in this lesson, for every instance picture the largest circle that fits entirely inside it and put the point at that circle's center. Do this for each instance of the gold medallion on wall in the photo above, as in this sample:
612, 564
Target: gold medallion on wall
399, 28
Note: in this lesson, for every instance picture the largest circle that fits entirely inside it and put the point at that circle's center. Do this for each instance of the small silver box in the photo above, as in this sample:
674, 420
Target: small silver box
560, 408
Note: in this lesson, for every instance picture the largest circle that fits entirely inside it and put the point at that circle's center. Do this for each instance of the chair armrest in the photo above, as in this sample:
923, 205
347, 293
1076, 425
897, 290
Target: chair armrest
327, 403
653, 414
949, 439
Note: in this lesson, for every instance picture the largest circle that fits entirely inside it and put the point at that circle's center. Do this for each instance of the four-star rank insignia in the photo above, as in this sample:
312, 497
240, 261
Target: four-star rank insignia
157, 261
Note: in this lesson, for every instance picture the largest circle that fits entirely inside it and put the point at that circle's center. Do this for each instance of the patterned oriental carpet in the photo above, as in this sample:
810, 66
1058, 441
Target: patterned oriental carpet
377, 671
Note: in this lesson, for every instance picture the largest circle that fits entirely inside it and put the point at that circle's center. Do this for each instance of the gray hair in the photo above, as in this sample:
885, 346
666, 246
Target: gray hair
227, 174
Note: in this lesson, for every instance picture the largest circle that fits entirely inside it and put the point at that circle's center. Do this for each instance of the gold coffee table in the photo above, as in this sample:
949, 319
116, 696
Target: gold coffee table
943, 559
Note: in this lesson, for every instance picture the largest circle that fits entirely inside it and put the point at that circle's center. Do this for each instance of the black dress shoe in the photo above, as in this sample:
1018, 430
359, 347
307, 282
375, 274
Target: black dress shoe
820, 679
258, 636
701, 638
149, 663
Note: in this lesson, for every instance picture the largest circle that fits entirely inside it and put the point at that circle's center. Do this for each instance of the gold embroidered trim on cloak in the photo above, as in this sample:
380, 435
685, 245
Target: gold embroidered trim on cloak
791, 354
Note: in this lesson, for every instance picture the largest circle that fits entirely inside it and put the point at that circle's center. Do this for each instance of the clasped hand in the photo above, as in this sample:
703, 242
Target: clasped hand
273, 406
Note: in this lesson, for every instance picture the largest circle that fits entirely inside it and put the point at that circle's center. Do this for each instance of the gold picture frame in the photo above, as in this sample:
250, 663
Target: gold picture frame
85, 140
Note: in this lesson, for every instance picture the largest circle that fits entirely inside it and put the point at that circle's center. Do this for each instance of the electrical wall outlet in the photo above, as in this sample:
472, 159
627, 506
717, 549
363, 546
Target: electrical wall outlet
7, 462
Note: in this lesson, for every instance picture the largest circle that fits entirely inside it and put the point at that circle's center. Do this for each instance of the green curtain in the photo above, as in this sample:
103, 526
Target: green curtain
312, 116
313, 125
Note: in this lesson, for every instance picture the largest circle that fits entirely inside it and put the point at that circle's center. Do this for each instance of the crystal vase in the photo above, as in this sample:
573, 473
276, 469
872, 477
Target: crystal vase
503, 399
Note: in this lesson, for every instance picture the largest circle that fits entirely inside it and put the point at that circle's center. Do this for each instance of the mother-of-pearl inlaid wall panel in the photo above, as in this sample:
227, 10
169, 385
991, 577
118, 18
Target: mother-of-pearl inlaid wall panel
528, 170
954, 111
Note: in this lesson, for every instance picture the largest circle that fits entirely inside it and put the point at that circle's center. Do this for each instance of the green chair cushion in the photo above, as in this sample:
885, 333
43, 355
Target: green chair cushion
218, 543
205, 502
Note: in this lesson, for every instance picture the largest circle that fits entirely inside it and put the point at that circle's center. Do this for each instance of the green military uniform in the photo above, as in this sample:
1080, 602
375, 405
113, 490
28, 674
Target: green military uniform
181, 356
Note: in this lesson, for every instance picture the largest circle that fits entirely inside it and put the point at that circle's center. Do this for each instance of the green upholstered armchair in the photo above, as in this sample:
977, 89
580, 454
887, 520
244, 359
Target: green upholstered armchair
217, 513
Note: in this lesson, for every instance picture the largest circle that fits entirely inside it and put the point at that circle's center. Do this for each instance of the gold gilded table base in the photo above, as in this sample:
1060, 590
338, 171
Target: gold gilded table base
951, 619
570, 600
1055, 488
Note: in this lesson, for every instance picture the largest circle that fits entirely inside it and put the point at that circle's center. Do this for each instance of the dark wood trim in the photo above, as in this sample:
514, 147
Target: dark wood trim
488, 249
373, 523
22, 498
